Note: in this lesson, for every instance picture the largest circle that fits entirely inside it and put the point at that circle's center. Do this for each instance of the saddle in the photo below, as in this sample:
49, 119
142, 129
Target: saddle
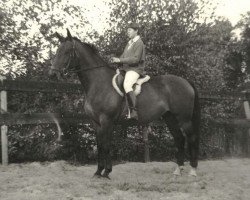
118, 79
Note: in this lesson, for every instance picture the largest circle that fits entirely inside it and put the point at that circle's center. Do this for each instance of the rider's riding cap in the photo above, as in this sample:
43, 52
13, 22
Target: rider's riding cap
134, 26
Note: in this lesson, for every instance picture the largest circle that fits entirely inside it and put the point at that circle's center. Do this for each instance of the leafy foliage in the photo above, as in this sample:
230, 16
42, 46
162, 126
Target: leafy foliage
179, 40
28, 34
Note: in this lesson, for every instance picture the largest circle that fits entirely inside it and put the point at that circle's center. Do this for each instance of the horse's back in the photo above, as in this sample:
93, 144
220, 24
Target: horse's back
170, 81
167, 93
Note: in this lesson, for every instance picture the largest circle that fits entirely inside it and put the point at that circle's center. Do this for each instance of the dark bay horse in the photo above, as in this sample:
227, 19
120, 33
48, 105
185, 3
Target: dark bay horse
167, 97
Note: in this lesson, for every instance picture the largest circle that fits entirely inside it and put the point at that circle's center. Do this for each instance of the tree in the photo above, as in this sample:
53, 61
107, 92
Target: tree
238, 57
179, 39
27, 33
27, 42
244, 24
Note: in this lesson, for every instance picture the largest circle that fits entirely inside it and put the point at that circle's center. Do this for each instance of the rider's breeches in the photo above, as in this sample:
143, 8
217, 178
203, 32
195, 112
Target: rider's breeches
130, 79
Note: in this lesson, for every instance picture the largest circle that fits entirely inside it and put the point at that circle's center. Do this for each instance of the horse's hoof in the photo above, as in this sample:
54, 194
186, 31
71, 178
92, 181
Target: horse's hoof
193, 172
177, 171
97, 176
106, 176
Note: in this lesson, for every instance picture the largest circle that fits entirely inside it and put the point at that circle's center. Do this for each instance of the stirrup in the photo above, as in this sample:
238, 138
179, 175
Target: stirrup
135, 116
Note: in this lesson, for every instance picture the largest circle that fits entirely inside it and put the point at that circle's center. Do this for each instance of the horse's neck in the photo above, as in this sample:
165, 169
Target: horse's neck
98, 79
98, 76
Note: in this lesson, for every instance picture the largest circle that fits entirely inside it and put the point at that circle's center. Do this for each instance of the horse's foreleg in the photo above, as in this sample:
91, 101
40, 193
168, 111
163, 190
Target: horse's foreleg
107, 152
104, 144
179, 139
100, 155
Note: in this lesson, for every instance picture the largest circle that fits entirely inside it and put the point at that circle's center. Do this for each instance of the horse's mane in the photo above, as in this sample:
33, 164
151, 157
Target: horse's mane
94, 49
91, 46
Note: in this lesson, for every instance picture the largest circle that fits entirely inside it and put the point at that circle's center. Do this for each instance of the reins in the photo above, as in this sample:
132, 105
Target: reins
75, 55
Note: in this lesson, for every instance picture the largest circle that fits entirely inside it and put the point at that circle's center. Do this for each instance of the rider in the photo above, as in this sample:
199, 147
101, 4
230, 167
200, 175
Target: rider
133, 63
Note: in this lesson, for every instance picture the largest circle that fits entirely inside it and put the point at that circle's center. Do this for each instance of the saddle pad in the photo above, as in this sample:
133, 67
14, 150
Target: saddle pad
118, 84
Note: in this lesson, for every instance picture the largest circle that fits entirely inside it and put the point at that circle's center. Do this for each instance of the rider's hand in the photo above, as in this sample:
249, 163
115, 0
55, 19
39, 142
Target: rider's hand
115, 60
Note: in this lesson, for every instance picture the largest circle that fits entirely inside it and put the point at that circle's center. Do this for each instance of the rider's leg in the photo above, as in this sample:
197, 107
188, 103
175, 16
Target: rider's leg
130, 79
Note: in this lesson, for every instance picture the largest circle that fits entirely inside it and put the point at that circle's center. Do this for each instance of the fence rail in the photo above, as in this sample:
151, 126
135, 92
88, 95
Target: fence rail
41, 118
36, 86
7, 119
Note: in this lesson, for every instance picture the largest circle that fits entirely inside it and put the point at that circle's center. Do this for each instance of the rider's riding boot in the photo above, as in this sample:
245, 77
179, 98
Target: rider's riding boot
132, 105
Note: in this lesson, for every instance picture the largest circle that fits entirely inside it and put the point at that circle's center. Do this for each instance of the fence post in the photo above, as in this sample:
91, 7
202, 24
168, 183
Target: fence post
247, 114
146, 130
4, 128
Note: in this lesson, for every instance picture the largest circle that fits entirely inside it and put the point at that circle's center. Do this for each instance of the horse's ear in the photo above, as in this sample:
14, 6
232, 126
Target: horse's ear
69, 35
61, 38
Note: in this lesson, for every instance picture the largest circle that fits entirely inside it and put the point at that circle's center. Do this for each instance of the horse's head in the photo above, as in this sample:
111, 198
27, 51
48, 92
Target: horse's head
73, 55
66, 56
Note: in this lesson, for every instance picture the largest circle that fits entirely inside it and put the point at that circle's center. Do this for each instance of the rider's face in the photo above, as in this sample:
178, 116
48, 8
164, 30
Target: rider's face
131, 33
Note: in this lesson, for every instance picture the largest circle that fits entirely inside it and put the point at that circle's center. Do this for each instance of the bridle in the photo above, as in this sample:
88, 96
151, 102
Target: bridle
73, 55
76, 68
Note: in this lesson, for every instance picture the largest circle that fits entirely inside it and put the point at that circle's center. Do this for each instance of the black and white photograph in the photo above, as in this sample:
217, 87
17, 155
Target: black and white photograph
125, 99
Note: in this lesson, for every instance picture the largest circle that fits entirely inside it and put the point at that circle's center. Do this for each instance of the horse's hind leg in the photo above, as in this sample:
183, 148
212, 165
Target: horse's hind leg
179, 139
193, 147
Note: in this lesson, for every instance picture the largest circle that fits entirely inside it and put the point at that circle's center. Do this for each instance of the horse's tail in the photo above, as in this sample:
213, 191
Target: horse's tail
196, 117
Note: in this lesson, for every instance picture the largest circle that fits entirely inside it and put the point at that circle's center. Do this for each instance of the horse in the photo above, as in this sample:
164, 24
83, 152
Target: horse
170, 98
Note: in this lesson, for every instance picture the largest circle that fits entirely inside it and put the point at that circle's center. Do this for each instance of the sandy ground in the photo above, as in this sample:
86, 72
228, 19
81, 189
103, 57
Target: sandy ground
227, 179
